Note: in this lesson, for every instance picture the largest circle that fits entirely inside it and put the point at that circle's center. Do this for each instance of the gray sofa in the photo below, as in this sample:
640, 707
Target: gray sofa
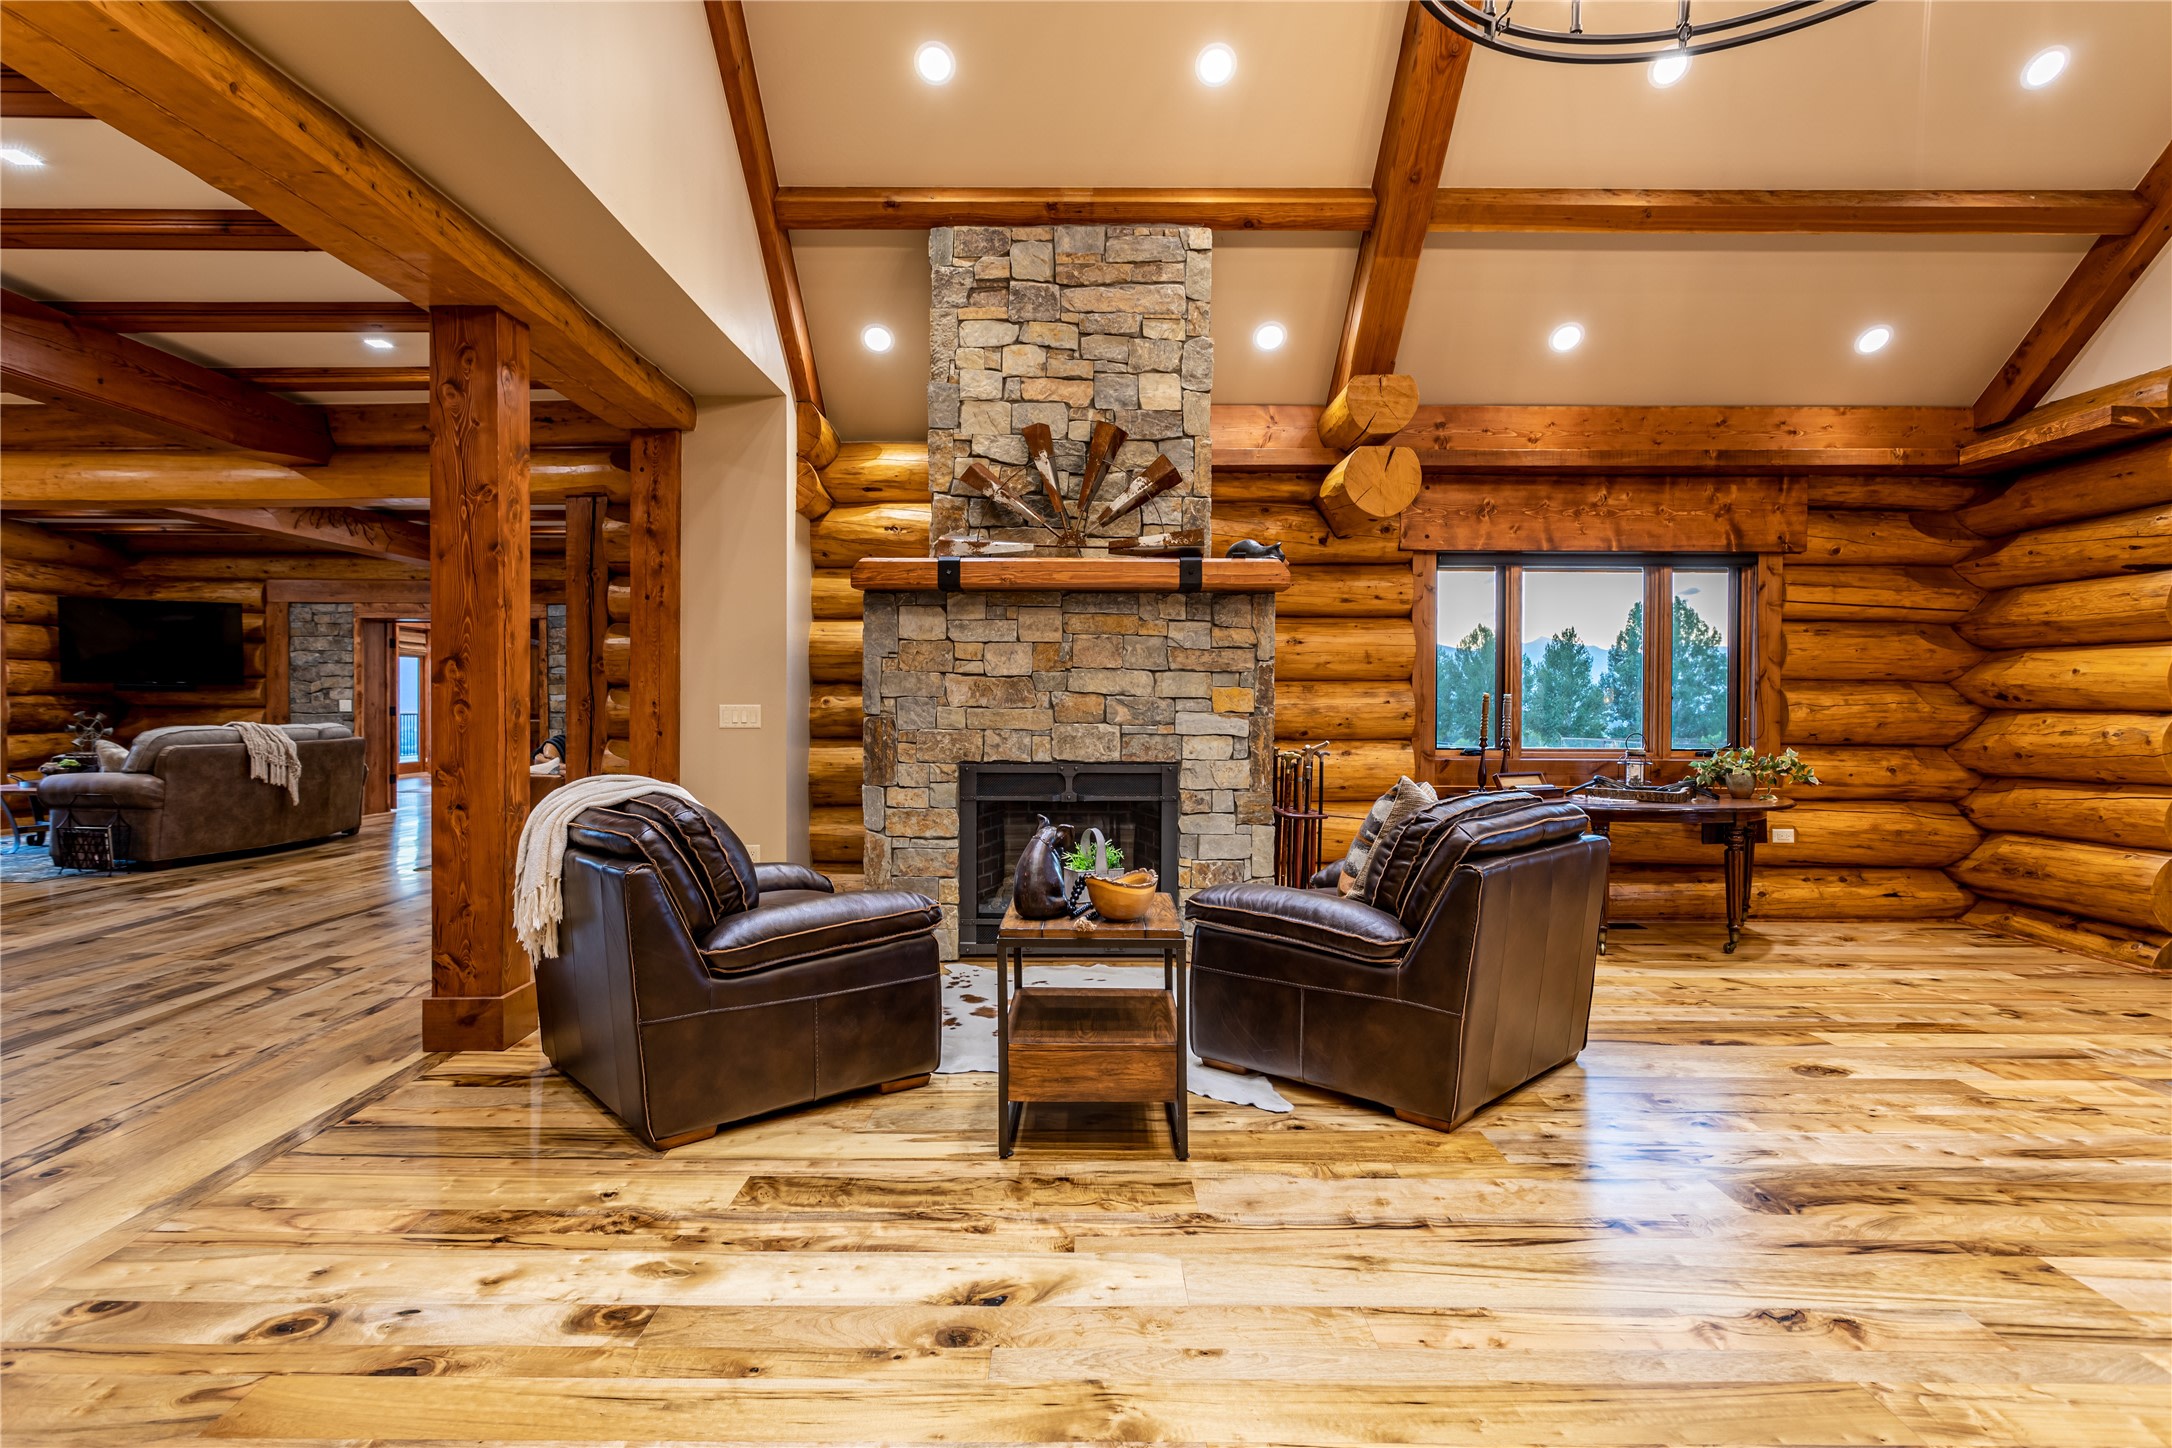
186, 792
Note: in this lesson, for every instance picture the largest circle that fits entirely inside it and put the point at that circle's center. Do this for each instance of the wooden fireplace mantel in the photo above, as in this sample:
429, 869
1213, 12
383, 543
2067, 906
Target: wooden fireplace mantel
1070, 575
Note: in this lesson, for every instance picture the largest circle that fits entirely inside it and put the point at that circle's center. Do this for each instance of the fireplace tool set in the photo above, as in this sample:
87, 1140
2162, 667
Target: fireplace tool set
1064, 527
1300, 806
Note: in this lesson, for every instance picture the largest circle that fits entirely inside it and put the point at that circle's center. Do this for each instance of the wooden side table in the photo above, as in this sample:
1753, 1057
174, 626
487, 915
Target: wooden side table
1102, 1043
1737, 824
25, 812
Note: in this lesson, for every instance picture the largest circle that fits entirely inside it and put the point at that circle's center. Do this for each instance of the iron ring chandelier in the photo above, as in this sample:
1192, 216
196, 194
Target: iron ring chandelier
1491, 23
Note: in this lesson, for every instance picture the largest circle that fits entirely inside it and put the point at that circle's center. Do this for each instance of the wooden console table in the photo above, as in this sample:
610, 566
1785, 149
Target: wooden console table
1103, 1043
1738, 824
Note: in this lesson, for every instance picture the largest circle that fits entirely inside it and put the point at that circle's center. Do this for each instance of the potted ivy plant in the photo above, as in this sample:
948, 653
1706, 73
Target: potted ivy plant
1745, 774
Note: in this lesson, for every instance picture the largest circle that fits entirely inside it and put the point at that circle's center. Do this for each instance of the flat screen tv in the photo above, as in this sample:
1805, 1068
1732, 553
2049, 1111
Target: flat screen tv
132, 643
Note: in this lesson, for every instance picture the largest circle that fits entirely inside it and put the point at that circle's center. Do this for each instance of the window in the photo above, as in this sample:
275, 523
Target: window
1608, 653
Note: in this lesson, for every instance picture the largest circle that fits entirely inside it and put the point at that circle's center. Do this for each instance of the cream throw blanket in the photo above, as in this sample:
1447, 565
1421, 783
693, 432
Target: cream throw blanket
538, 900
272, 756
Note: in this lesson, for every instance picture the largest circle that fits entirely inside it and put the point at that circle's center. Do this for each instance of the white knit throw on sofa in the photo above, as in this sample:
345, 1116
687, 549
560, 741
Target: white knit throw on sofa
538, 899
272, 756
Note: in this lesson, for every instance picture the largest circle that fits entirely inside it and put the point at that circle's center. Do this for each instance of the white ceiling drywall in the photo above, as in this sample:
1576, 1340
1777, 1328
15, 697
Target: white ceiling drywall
2136, 338
852, 280
89, 164
187, 276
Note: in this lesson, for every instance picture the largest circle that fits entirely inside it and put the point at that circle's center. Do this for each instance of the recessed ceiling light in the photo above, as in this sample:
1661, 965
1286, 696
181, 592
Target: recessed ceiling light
1874, 339
1566, 337
935, 63
17, 156
378, 344
2044, 67
876, 338
1670, 68
1270, 335
1216, 64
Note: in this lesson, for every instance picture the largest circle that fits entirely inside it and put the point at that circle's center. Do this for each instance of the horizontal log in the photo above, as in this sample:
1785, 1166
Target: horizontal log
1346, 591
32, 641
836, 835
1368, 487
2090, 548
1876, 713
42, 713
833, 773
1296, 489
834, 595
552, 424
616, 758
1320, 710
2136, 608
1340, 828
875, 530
1914, 594
1362, 769
139, 720
28, 751
1893, 494
2126, 814
258, 567
2110, 748
877, 472
1609, 514
834, 712
28, 541
1304, 534
1374, 650
2108, 482
1654, 842
2100, 882
1884, 834
20, 605
61, 578
833, 651
248, 693
1919, 652
816, 440
1371, 408
617, 712
42, 676
1864, 537
1663, 892
2113, 676
62, 481
2118, 414
810, 499
1824, 893
2099, 939
617, 654
618, 600
1887, 773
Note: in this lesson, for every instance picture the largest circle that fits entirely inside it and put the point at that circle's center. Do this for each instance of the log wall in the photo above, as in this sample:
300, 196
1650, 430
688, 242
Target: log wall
2074, 747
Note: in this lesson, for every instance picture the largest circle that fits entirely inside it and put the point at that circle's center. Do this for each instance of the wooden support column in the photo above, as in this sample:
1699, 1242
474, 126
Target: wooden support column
482, 993
588, 583
652, 736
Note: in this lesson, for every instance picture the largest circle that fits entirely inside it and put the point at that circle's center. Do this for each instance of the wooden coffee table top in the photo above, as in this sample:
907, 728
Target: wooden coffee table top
1159, 923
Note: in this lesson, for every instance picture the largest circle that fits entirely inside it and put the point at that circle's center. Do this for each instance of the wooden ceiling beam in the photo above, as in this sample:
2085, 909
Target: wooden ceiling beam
343, 530
251, 316
55, 358
168, 76
1429, 74
54, 228
2132, 410
552, 423
743, 95
334, 379
1951, 213
59, 482
2094, 290
22, 96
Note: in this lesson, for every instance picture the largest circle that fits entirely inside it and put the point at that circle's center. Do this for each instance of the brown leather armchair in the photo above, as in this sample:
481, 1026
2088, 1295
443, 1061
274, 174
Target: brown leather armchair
694, 988
1468, 972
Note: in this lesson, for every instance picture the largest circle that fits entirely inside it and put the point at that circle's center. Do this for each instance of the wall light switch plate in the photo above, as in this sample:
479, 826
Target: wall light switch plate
738, 716
1782, 836
754, 852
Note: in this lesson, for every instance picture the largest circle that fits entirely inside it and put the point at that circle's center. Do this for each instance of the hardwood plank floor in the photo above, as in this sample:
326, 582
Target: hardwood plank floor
1897, 1184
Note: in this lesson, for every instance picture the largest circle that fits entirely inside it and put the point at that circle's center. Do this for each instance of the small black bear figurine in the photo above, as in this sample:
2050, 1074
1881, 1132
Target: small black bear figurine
1252, 548
1038, 887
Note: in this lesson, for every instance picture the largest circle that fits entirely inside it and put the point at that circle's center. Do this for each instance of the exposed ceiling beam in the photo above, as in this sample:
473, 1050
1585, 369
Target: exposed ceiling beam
55, 358
1951, 213
251, 316
2127, 411
49, 228
334, 379
2096, 287
344, 530
22, 96
743, 94
1515, 439
1429, 74
552, 423
32, 482
169, 77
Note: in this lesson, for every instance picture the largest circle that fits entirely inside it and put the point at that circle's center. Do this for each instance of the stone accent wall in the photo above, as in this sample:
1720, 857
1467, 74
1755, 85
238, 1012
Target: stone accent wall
1068, 325
554, 652
320, 663
1152, 677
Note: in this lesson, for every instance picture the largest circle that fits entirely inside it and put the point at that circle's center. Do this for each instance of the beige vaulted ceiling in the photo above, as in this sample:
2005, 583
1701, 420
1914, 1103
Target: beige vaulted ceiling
1904, 94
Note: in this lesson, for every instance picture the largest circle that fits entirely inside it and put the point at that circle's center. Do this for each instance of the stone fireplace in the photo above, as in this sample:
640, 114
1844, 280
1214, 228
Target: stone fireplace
1075, 667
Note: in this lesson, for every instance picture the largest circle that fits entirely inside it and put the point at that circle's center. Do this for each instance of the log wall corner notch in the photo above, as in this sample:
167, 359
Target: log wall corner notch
1374, 482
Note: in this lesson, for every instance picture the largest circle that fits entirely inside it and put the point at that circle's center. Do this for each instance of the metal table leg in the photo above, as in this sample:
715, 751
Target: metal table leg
1003, 1051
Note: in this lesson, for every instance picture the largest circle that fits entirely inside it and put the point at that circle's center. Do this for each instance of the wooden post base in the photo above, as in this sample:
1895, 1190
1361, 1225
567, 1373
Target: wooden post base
1430, 1123
1225, 1066
904, 1083
479, 1023
667, 1143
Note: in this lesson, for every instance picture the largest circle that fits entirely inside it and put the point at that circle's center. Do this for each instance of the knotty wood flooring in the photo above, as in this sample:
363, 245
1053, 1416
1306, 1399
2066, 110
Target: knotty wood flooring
1858, 1184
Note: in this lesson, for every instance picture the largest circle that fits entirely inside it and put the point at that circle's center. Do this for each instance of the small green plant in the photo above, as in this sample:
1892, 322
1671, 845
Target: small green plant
1080, 858
1765, 770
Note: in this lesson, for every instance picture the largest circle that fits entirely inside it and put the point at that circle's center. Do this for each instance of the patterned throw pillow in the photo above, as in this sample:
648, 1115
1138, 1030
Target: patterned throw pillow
1392, 808
111, 757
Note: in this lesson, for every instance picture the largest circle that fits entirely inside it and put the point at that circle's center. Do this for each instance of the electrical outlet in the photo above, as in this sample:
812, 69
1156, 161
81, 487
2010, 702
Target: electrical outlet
754, 852
738, 716
1782, 835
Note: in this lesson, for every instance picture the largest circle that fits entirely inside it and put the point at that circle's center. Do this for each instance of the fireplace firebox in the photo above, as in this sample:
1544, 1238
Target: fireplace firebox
1134, 805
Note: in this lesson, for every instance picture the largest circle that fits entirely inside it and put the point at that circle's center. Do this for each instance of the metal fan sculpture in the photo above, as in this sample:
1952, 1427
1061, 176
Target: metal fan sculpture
1063, 526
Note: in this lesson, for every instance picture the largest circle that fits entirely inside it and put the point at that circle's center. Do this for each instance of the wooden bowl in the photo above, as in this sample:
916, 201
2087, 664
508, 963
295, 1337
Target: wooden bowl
1125, 898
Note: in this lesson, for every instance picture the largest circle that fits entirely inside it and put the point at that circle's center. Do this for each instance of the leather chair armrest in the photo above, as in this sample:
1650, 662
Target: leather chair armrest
783, 875
1327, 877
812, 926
103, 791
1310, 919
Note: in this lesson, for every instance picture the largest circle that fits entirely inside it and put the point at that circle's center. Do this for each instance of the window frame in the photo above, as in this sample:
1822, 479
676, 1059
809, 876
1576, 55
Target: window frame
1567, 766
